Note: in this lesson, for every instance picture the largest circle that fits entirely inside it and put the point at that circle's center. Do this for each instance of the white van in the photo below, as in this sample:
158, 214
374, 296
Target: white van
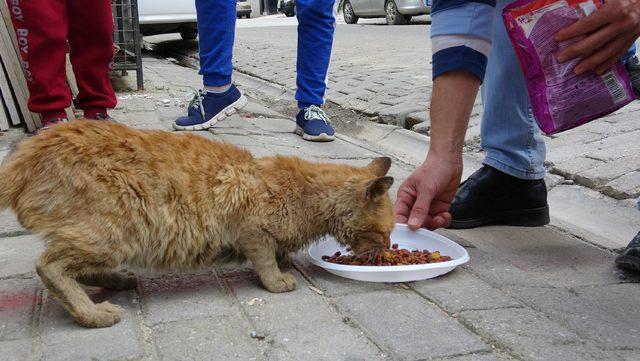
168, 16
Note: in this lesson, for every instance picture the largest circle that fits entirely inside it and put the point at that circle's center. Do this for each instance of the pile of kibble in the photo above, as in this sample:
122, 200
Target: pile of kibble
392, 257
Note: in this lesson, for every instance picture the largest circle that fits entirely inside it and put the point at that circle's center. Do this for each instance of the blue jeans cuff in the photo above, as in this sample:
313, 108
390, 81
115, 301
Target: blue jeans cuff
512, 171
215, 80
304, 105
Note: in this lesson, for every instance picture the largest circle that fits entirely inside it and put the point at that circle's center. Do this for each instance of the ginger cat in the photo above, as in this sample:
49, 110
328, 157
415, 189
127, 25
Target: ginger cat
103, 195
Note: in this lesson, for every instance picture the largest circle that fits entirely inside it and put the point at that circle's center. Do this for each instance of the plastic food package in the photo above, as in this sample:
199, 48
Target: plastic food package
560, 99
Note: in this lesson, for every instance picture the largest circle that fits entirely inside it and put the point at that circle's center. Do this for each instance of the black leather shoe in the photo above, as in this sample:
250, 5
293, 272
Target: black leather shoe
630, 258
490, 196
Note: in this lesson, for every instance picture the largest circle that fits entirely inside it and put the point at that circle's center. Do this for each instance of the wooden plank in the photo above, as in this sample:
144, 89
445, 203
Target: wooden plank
71, 78
7, 96
10, 56
4, 119
71, 115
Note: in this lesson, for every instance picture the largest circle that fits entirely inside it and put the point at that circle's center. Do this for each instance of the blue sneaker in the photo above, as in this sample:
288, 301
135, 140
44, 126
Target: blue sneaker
206, 109
314, 125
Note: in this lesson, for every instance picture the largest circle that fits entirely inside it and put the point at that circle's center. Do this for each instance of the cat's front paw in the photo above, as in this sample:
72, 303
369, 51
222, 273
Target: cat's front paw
104, 314
284, 283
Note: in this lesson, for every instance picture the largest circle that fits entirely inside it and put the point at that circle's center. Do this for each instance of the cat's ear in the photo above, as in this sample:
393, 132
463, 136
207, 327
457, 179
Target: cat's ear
377, 188
380, 166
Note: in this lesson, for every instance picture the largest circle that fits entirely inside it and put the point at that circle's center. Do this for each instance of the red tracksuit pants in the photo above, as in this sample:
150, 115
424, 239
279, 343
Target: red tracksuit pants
43, 28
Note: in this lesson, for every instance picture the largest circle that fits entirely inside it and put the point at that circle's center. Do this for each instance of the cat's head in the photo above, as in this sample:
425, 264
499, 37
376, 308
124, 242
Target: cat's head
368, 217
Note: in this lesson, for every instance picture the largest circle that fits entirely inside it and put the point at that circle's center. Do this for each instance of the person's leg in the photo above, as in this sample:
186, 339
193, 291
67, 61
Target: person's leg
216, 29
41, 30
316, 25
91, 54
509, 134
219, 98
510, 187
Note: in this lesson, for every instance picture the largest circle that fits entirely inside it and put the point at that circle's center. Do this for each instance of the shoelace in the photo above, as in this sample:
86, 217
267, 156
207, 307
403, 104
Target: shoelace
314, 112
196, 101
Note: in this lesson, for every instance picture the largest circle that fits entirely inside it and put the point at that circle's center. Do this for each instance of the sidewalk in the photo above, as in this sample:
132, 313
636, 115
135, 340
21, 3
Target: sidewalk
526, 294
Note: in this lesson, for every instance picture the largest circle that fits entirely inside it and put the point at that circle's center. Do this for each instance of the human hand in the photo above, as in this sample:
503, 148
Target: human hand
609, 33
425, 197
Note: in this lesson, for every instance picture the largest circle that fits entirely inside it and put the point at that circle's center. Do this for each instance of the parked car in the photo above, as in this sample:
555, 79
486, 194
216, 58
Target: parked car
287, 7
397, 12
176, 16
243, 8
168, 16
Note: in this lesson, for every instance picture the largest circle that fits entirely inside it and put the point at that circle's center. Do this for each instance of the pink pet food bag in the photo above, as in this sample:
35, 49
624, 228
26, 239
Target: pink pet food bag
560, 99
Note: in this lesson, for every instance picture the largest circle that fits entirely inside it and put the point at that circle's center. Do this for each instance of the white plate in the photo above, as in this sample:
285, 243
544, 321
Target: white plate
405, 238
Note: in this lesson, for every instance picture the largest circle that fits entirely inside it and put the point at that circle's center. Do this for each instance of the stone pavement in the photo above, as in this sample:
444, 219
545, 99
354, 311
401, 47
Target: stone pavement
526, 294
384, 72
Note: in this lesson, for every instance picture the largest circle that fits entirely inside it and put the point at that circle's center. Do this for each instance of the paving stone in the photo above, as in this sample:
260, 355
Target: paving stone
259, 151
545, 254
146, 120
480, 357
9, 224
530, 335
336, 149
629, 355
576, 165
567, 152
18, 350
408, 327
497, 270
182, 297
459, 290
606, 315
167, 115
598, 176
18, 255
616, 146
406, 145
300, 324
18, 298
422, 128
137, 104
612, 226
574, 136
63, 339
254, 108
627, 186
225, 337
235, 139
275, 125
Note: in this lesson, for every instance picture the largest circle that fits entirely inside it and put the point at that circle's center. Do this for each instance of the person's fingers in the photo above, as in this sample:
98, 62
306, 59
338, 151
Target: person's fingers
614, 49
590, 44
446, 216
438, 206
438, 221
420, 209
404, 202
607, 65
584, 26
400, 218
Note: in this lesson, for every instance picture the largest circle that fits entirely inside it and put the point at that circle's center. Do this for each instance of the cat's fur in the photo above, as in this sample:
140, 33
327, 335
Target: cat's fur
103, 196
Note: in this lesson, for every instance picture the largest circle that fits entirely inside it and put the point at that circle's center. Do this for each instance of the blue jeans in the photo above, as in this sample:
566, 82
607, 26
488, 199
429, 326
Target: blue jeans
316, 25
510, 136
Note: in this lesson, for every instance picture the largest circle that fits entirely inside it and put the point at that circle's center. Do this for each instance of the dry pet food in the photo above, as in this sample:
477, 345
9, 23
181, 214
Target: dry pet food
392, 257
